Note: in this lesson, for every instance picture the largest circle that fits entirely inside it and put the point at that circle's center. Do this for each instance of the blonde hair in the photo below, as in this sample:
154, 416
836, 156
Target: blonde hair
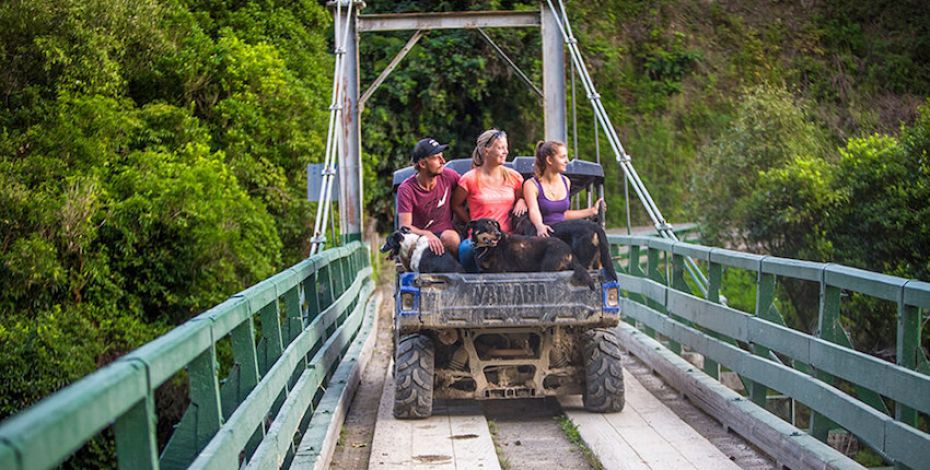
483, 142
544, 150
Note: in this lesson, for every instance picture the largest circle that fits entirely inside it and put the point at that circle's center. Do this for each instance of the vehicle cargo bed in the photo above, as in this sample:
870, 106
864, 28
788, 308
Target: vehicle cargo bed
501, 300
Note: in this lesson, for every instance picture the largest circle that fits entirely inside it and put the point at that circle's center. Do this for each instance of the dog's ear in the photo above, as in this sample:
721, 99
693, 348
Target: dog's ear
388, 244
469, 226
393, 242
404, 230
497, 225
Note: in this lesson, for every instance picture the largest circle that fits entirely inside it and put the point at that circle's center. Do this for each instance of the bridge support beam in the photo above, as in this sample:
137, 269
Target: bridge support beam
350, 131
553, 53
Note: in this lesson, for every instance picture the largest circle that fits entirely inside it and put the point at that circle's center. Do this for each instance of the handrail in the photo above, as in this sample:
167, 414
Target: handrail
312, 307
715, 331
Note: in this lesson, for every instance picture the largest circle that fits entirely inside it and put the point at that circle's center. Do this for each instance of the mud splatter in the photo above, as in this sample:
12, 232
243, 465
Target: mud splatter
431, 458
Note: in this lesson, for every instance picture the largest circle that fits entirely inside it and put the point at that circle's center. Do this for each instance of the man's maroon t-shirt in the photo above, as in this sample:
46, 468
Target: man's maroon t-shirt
432, 210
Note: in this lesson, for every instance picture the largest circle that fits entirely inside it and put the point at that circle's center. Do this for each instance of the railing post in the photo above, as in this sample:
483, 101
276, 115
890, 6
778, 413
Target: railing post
827, 325
273, 345
270, 343
907, 347
326, 286
246, 357
632, 262
636, 270
714, 280
203, 417
244, 377
652, 255
205, 395
765, 297
292, 313
135, 436
294, 326
312, 298
678, 274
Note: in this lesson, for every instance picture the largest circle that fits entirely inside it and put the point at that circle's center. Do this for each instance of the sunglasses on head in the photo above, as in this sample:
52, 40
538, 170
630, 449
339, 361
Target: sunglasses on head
497, 135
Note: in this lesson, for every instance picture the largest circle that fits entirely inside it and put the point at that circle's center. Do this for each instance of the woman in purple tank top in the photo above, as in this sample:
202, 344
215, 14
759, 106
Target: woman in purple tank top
548, 193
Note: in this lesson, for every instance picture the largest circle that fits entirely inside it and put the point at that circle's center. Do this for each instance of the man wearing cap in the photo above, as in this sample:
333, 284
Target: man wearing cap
424, 200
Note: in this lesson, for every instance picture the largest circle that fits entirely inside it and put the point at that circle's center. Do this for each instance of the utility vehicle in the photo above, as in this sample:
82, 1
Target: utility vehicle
506, 335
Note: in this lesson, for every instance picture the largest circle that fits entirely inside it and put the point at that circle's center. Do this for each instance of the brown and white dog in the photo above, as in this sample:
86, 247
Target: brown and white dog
413, 252
499, 252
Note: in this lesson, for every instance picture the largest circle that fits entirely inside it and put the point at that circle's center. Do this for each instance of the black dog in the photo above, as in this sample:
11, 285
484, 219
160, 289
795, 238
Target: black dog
588, 241
414, 254
498, 252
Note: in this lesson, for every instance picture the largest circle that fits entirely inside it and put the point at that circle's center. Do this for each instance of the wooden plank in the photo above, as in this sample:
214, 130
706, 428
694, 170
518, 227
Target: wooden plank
455, 437
645, 435
612, 450
777, 438
697, 450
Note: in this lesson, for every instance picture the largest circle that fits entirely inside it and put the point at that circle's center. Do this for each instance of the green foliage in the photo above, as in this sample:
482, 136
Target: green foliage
574, 437
789, 207
887, 182
152, 155
667, 60
869, 209
769, 130
739, 288
847, 210
451, 86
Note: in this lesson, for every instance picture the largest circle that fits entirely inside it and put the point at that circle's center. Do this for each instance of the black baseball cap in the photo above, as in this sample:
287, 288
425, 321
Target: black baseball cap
425, 148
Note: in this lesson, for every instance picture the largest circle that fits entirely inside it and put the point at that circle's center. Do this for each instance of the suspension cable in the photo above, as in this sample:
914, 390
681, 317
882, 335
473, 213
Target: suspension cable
597, 143
333, 144
574, 114
626, 201
503, 55
663, 228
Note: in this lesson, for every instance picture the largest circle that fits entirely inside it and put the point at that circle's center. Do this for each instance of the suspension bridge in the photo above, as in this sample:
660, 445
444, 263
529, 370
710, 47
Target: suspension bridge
271, 371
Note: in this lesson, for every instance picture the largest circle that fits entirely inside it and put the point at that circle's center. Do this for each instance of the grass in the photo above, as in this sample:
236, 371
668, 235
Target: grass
571, 432
501, 459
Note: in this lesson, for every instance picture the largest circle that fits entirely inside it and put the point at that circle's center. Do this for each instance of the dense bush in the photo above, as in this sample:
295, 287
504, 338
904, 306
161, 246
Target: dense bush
770, 129
868, 208
152, 155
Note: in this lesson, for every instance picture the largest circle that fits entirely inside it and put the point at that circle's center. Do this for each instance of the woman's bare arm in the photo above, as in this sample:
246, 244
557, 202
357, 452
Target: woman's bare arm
519, 206
530, 195
458, 203
583, 213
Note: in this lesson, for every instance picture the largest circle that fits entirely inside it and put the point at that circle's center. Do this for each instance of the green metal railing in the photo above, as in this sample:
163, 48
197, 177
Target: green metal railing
287, 336
659, 299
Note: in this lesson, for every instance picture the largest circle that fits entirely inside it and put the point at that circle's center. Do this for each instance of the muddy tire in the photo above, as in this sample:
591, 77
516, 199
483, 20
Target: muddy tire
413, 377
603, 370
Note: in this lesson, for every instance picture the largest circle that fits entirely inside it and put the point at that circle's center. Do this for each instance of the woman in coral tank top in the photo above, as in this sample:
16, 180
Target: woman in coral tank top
491, 190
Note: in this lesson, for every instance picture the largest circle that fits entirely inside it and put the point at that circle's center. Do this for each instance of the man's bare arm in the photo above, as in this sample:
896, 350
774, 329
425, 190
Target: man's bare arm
405, 219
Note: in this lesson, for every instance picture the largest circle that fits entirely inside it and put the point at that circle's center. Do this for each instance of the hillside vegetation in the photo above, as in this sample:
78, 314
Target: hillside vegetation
153, 152
798, 129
